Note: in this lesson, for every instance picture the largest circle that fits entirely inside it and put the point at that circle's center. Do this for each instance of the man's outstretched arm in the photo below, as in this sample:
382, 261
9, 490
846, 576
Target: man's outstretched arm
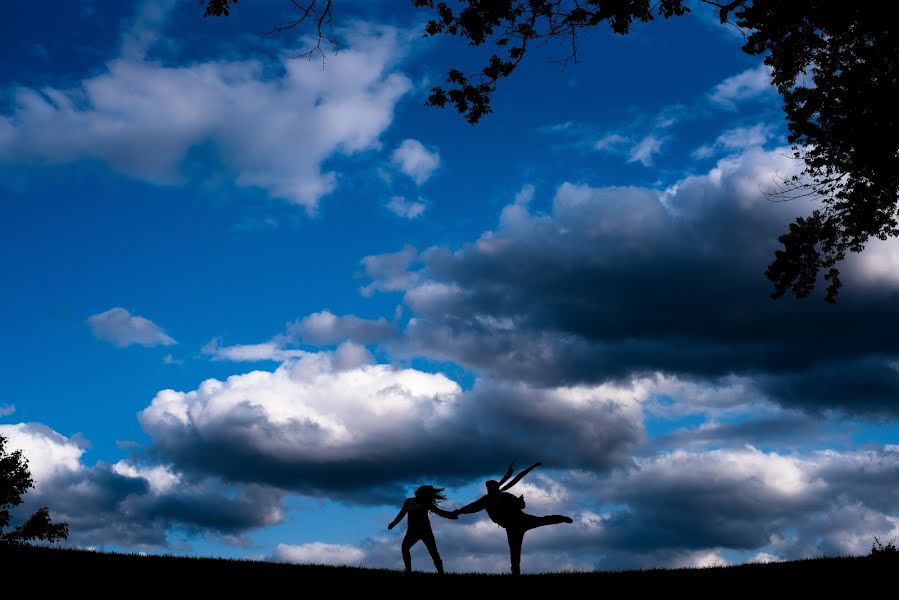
476, 506
518, 477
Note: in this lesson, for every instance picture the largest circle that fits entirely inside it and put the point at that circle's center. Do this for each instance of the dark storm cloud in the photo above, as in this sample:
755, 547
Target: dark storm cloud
618, 282
866, 384
361, 432
786, 430
132, 505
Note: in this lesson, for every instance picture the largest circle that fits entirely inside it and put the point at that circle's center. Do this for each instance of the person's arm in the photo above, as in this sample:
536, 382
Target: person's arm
508, 474
476, 506
399, 517
518, 477
444, 513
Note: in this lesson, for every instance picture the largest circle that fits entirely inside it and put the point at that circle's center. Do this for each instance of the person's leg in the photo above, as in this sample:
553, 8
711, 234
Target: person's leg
408, 542
431, 545
532, 521
515, 535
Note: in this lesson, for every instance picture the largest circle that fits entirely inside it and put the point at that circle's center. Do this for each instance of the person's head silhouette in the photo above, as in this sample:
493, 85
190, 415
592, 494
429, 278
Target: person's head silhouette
492, 486
429, 493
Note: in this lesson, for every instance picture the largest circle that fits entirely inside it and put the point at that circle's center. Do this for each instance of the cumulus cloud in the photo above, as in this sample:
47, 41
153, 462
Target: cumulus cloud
270, 125
132, 504
679, 509
323, 328
415, 160
624, 282
317, 553
123, 329
7, 409
750, 83
337, 424
748, 499
682, 508
390, 272
878, 265
411, 209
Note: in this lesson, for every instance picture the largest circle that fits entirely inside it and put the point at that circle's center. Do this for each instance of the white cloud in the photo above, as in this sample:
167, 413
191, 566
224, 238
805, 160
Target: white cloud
318, 553
610, 141
127, 444
144, 29
390, 271
128, 503
321, 329
701, 560
160, 478
123, 329
7, 409
645, 149
525, 194
560, 297
415, 160
407, 210
736, 139
49, 454
270, 126
272, 351
744, 137
779, 476
637, 142
878, 265
743, 86
765, 557
682, 510
314, 424
325, 327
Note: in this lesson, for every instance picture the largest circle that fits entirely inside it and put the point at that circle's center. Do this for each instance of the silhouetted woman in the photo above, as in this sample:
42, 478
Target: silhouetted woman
426, 499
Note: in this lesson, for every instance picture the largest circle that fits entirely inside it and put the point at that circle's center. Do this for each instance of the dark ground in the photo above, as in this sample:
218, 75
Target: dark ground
96, 574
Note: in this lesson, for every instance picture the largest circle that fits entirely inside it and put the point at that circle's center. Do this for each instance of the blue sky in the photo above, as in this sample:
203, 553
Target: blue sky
577, 279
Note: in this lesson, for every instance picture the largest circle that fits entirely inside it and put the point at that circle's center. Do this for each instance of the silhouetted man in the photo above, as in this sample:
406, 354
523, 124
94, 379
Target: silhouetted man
507, 511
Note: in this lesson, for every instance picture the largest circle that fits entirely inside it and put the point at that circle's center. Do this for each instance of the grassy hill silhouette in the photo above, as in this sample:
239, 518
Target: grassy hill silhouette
132, 574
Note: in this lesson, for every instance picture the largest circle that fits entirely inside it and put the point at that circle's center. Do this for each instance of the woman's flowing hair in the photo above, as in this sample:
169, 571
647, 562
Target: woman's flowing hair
429, 493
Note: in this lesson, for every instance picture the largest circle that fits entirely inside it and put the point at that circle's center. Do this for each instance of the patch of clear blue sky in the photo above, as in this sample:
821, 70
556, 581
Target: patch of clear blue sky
79, 239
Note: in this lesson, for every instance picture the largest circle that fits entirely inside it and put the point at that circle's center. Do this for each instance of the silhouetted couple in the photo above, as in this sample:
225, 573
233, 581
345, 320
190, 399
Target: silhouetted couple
503, 508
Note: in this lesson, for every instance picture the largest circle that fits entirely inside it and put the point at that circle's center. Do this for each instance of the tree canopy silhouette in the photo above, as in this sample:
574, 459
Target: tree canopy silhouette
15, 480
834, 63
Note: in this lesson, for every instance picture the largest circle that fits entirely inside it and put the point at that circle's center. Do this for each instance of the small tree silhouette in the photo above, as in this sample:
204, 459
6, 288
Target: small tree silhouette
15, 480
